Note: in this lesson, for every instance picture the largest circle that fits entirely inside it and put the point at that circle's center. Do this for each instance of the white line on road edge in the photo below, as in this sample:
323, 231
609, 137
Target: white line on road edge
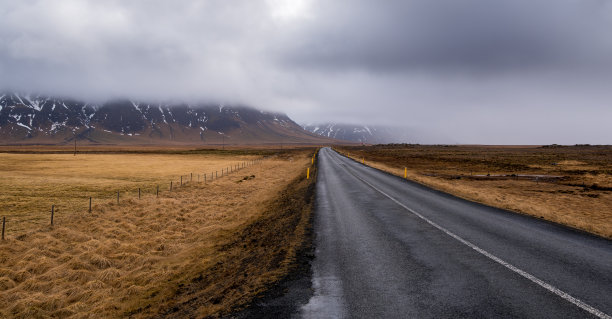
551, 288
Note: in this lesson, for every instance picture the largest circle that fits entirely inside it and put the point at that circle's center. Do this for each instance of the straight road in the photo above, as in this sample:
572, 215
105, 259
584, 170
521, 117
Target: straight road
390, 248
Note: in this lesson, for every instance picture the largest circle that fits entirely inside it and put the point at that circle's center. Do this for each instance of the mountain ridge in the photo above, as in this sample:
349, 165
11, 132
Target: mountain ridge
35, 119
366, 134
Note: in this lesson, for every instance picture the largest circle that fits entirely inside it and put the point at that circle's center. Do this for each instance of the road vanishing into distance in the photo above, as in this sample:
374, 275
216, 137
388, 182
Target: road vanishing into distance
390, 248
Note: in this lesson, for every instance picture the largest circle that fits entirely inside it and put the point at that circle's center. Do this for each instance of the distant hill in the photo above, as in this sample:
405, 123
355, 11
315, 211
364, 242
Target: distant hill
361, 133
28, 119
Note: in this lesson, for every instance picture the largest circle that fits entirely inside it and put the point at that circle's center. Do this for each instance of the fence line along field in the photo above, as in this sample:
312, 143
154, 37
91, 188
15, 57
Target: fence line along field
570, 185
34, 182
229, 239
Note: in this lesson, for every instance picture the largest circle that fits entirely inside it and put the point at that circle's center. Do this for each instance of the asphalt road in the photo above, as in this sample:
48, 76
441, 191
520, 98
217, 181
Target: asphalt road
390, 248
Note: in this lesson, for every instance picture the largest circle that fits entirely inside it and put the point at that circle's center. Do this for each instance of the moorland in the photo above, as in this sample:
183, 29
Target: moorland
206, 247
570, 185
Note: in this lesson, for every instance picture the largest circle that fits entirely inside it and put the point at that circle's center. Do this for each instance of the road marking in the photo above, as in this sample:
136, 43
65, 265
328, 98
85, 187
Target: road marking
594, 311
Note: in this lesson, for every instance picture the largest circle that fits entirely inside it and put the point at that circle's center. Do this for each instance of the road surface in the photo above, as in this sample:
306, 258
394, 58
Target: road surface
390, 248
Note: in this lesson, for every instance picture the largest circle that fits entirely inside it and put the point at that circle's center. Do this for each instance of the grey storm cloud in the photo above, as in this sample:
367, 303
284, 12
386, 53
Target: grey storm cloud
473, 71
465, 35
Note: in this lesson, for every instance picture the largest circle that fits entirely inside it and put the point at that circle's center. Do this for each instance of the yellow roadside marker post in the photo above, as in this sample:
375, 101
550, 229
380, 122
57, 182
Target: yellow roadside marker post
405, 172
308, 173
363, 160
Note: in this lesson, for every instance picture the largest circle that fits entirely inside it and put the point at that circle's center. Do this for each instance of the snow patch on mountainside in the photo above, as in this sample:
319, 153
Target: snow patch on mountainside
52, 117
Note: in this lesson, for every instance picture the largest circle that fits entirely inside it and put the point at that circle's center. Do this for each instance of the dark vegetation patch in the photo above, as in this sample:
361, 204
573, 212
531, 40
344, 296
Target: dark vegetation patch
256, 258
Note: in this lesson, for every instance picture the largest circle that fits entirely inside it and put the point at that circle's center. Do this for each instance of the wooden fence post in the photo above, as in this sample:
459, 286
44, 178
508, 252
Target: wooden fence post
3, 223
157, 192
204, 178
181, 180
90, 204
170, 185
52, 212
138, 192
117, 197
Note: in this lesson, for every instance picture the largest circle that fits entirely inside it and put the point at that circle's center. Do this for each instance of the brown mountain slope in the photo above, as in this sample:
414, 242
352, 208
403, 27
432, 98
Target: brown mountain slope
42, 120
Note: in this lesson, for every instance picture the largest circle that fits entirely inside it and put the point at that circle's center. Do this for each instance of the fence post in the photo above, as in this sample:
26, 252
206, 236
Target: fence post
117, 197
52, 212
3, 223
138, 192
191, 178
170, 185
181, 180
157, 192
204, 178
90, 204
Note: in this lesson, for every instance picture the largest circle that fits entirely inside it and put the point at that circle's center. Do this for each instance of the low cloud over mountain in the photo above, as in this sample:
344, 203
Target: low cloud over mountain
26, 119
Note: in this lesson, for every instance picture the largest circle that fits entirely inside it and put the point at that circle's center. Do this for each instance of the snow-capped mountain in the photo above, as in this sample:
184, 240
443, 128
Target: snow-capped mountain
360, 133
34, 119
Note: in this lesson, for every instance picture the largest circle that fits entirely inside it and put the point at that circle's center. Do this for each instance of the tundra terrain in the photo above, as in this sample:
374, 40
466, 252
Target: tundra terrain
202, 249
570, 185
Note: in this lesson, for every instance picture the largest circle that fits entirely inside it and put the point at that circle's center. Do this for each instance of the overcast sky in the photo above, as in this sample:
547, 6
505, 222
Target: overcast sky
464, 71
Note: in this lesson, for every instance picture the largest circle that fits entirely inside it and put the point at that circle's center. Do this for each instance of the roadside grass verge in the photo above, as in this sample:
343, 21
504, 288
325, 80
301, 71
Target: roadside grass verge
201, 250
251, 258
565, 185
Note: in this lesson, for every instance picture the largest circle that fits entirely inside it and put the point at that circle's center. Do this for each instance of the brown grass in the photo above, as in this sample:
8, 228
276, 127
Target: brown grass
138, 258
580, 196
34, 182
269, 148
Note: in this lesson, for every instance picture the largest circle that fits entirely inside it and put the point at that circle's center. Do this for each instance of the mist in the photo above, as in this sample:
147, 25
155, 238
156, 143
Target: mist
469, 71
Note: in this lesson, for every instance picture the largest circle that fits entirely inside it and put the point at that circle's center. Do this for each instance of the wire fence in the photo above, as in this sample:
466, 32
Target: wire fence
11, 226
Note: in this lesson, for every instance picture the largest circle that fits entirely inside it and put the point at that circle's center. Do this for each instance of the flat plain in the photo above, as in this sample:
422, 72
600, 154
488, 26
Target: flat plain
34, 182
220, 242
570, 185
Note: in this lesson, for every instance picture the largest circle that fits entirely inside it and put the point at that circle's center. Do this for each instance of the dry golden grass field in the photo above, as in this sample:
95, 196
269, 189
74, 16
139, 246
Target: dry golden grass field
200, 250
34, 182
571, 185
